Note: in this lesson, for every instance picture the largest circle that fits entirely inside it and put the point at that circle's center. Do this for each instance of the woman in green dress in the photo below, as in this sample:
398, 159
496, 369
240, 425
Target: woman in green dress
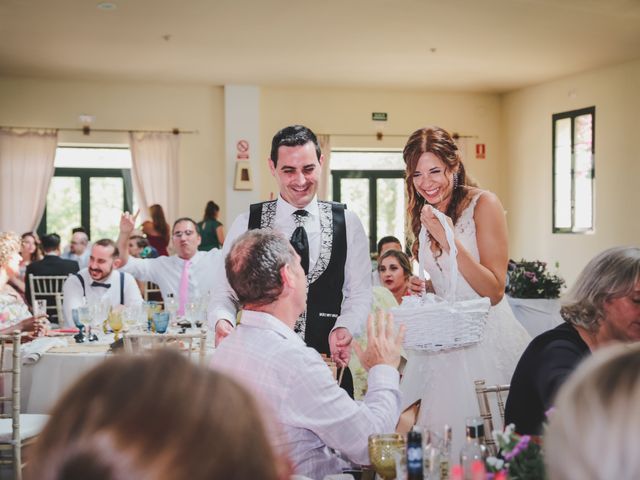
210, 229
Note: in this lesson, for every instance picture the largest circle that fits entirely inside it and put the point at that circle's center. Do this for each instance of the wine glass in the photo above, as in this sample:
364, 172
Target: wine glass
99, 317
382, 450
84, 319
151, 308
131, 316
171, 306
40, 308
115, 322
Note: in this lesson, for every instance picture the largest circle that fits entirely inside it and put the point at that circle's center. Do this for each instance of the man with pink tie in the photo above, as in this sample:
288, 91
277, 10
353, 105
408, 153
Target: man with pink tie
187, 274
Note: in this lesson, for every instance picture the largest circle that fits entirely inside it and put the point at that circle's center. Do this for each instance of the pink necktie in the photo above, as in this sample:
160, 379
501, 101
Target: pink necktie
184, 287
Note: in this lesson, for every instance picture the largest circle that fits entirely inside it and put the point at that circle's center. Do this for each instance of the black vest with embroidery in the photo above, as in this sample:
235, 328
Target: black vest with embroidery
326, 279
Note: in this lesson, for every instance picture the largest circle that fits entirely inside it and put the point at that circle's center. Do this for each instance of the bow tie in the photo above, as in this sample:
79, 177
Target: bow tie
103, 285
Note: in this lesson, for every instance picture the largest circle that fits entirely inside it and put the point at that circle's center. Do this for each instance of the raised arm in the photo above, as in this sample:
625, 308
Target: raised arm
127, 224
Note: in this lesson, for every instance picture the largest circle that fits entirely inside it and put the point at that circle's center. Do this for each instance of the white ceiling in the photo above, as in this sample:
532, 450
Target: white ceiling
469, 45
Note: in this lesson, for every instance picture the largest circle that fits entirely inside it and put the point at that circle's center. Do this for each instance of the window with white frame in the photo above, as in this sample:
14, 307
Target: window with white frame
91, 187
573, 171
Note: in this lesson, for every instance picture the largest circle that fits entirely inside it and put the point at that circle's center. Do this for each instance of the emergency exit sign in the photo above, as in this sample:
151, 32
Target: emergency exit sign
379, 116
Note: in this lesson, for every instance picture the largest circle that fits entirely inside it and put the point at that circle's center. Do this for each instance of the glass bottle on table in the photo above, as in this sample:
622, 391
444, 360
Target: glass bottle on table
415, 454
445, 459
473, 450
84, 321
171, 306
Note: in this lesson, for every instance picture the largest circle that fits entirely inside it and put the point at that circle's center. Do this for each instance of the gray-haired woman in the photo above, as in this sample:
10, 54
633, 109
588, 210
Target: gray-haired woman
603, 307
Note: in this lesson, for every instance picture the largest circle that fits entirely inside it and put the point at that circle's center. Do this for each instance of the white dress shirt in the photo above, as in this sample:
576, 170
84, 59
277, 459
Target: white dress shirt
73, 293
83, 260
357, 271
294, 384
166, 272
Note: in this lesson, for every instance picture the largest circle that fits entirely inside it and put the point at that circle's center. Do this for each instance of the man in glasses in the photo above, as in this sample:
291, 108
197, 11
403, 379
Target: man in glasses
185, 275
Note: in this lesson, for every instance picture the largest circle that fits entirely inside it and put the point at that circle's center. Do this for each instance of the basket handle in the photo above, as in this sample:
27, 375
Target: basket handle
453, 254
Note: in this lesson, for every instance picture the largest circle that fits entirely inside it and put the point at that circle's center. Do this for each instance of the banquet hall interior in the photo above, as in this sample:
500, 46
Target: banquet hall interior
176, 103
494, 72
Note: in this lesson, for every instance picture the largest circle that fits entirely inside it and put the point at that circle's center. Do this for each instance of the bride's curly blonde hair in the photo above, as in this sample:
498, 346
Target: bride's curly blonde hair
9, 245
613, 273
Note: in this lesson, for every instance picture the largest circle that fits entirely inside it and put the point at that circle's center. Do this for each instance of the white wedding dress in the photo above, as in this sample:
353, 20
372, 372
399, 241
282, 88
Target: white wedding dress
444, 380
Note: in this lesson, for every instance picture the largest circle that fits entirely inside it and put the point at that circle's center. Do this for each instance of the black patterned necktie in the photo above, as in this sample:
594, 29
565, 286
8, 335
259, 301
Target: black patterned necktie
103, 285
299, 239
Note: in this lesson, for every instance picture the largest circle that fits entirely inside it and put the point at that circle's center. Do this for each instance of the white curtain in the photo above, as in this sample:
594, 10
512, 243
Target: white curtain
154, 157
26, 168
325, 146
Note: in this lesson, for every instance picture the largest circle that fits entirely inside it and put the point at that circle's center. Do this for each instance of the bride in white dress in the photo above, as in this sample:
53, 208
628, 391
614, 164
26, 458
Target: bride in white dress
444, 380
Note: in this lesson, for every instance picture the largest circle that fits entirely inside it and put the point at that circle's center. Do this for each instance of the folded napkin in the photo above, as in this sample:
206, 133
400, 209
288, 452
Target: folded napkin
32, 351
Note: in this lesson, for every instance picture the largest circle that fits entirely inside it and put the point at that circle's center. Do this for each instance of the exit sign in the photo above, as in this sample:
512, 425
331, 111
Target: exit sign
379, 116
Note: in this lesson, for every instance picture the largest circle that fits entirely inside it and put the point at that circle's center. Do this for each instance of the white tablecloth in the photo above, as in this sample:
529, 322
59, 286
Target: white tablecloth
44, 382
536, 315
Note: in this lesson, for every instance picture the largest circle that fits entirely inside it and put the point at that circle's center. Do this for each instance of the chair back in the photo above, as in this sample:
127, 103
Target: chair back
152, 292
12, 398
145, 343
498, 394
49, 288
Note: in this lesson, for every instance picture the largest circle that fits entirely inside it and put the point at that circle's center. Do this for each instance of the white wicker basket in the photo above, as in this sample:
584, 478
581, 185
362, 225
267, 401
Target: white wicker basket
434, 323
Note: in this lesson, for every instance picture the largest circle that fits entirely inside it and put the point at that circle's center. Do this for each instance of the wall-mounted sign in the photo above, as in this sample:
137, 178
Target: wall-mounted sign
243, 180
242, 148
379, 116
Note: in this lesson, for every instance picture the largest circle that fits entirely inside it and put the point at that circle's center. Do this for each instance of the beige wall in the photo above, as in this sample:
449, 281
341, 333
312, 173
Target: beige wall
516, 129
348, 111
140, 106
527, 150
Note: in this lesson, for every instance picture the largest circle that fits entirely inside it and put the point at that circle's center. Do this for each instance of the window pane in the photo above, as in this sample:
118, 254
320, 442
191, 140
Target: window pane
90, 157
355, 193
391, 208
584, 131
341, 160
63, 206
583, 200
106, 200
583, 195
562, 174
563, 133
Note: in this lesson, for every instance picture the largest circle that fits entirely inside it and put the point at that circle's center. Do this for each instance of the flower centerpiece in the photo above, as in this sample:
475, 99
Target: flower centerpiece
520, 457
532, 280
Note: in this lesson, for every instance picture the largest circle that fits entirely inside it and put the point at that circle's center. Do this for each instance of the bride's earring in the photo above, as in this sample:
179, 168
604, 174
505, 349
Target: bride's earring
455, 180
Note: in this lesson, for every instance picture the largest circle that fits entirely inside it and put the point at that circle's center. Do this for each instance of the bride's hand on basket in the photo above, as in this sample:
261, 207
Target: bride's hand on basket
434, 227
383, 343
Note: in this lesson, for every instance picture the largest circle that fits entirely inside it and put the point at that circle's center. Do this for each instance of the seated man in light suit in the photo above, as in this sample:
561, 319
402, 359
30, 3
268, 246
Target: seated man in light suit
319, 426
100, 281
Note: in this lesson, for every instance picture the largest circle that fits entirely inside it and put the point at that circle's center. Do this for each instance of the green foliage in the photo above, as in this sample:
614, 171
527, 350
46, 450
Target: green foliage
531, 280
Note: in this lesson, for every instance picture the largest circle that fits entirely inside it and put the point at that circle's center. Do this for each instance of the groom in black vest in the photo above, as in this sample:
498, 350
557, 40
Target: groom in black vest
330, 240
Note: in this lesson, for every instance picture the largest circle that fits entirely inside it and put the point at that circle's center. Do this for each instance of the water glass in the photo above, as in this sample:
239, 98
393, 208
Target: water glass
160, 321
382, 451
151, 307
40, 308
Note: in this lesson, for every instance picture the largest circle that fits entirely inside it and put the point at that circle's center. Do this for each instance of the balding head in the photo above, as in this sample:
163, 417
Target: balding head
79, 242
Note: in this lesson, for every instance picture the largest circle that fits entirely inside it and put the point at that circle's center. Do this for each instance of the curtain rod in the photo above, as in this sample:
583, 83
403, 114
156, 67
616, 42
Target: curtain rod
381, 135
87, 130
